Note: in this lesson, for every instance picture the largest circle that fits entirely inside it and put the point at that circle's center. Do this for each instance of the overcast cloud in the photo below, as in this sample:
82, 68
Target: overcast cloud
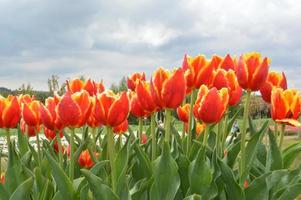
110, 39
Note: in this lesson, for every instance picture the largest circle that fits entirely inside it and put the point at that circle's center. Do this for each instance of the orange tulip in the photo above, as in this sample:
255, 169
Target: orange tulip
25, 98
30, 131
2, 178
228, 63
168, 88
183, 113
227, 79
92, 122
199, 128
50, 134
274, 80
85, 160
31, 113
145, 97
210, 104
49, 115
121, 128
77, 85
9, 112
111, 109
133, 79
286, 106
74, 110
136, 108
252, 71
144, 138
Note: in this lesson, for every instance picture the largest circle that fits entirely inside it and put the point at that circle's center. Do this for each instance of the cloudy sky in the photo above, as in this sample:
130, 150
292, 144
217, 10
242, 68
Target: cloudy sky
112, 38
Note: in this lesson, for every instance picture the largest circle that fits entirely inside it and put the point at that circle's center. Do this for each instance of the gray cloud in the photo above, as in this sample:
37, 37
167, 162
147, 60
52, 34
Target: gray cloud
110, 39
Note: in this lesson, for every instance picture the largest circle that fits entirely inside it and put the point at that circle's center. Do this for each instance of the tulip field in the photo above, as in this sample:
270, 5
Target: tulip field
192, 146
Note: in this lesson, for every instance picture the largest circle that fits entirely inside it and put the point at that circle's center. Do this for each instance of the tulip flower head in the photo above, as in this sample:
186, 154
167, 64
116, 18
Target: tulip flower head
183, 112
252, 71
31, 113
136, 108
50, 134
274, 79
228, 63
145, 97
168, 89
133, 79
111, 109
74, 109
77, 85
30, 131
286, 106
121, 128
85, 159
211, 104
9, 112
227, 79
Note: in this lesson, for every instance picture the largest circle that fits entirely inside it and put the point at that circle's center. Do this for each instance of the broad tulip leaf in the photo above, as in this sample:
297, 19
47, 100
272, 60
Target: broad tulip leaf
166, 178
193, 197
232, 154
183, 164
23, 191
233, 189
290, 154
200, 175
291, 192
258, 189
3, 193
275, 157
64, 184
98, 188
22, 142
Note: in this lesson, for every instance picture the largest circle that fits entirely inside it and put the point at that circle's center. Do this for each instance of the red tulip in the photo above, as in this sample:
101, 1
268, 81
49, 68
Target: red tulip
274, 80
9, 112
286, 106
145, 97
168, 88
111, 109
56, 147
85, 160
30, 131
133, 79
136, 108
228, 63
200, 127
144, 138
252, 71
49, 115
77, 85
50, 134
227, 79
31, 113
25, 98
211, 104
92, 121
74, 110
121, 128
2, 178
183, 113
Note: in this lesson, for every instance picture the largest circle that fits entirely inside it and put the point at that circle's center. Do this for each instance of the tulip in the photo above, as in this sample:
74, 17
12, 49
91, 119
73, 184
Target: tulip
144, 138
145, 97
210, 104
252, 71
136, 108
274, 79
25, 98
228, 63
50, 134
31, 113
168, 88
77, 85
227, 79
111, 109
85, 159
9, 112
57, 149
2, 178
183, 113
133, 79
286, 106
121, 128
92, 121
30, 131
74, 109
200, 127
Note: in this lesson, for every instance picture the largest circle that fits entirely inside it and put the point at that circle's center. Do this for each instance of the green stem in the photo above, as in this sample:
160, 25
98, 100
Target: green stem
111, 153
225, 133
93, 138
218, 137
167, 124
38, 145
59, 141
8, 139
140, 121
72, 144
206, 133
243, 138
190, 120
282, 131
276, 131
153, 134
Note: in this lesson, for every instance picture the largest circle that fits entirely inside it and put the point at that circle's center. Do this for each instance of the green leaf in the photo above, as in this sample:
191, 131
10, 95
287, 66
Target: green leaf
3, 193
232, 120
13, 166
275, 157
258, 189
98, 188
290, 154
23, 191
166, 178
64, 184
183, 164
232, 154
142, 167
22, 142
200, 175
291, 192
233, 189
193, 197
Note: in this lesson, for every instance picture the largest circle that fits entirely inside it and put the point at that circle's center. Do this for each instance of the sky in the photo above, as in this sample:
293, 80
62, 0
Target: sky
106, 40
